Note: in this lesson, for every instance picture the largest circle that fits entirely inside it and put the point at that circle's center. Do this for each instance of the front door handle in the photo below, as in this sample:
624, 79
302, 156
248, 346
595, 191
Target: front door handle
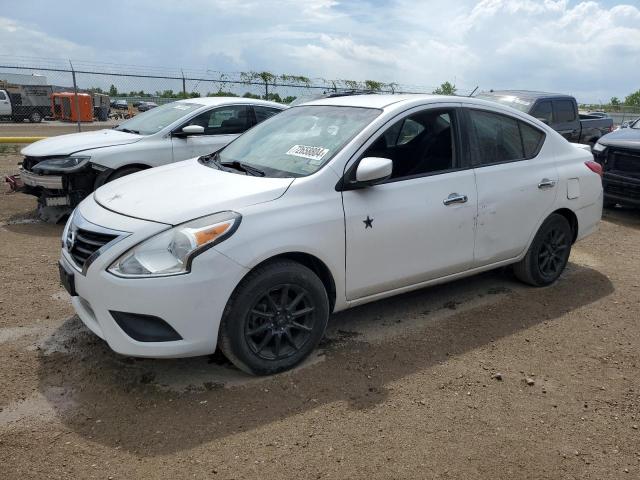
455, 198
546, 183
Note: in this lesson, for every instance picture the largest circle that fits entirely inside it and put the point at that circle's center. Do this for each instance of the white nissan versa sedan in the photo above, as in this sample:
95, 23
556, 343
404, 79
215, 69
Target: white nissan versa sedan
325, 206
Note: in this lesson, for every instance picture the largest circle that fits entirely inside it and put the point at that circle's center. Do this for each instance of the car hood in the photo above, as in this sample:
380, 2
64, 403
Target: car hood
77, 142
625, 137
182, 191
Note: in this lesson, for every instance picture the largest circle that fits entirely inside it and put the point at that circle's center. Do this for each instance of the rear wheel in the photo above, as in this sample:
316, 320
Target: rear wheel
275, 318
35, 117
548, 254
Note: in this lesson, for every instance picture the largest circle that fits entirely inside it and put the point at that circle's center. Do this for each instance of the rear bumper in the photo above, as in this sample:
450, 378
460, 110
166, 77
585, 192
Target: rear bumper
621, 188
51, 182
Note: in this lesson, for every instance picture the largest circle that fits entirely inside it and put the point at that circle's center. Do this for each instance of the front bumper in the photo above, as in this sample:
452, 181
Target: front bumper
51, 182
621, 189
191, 304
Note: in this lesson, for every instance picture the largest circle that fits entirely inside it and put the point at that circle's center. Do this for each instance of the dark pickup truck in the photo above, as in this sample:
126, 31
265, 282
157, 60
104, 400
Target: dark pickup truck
619, 154
558, 111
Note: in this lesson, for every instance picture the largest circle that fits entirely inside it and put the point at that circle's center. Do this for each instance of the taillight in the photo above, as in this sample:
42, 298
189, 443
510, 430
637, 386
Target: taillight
595, 167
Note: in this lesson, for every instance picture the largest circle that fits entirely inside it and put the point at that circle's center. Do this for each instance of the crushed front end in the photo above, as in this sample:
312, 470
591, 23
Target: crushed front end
59, 182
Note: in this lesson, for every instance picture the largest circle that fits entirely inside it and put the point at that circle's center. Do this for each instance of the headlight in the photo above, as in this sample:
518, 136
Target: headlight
65, 232
598, 147
171, 252
65, 165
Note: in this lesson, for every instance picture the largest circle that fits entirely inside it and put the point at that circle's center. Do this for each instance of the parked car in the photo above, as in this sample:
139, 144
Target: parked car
325, 206
619, 155
558, 111
144, 106
628, 123
63, 170
599, 114
120, 105
25, 102
137, 103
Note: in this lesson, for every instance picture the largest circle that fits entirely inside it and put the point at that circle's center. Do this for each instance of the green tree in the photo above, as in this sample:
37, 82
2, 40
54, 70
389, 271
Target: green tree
373, 85
615, 101
251, 95
447, 88
633, 99
221, 93
113, 91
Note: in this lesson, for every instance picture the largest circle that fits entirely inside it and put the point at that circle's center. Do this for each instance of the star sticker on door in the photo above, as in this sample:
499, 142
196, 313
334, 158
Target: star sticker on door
368, 222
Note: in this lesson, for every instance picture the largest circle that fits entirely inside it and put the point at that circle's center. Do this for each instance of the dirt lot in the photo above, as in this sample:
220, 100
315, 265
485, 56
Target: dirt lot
402, 388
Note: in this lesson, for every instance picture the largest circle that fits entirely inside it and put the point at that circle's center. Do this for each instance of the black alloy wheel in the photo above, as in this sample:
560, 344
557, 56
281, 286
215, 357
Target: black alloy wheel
548, 253
275, 317
280, 323
552, 254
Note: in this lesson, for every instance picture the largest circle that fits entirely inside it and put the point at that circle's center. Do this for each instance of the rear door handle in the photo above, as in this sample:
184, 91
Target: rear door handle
546, 183
455, 198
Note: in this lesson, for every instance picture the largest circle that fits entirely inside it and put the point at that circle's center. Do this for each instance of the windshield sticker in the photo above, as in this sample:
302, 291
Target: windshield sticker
312, 153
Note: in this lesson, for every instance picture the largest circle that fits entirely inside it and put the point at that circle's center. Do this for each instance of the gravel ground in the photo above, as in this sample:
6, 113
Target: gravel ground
480, 378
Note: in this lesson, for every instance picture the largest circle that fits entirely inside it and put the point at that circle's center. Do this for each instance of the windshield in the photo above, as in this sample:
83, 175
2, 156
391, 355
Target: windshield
298, 141
152, 121
508, 100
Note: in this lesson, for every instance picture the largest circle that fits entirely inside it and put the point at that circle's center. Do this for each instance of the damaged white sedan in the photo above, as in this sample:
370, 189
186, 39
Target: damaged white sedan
323, 207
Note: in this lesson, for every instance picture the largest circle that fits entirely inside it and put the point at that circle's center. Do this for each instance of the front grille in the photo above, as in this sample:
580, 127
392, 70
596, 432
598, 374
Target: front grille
86, 243
624, 161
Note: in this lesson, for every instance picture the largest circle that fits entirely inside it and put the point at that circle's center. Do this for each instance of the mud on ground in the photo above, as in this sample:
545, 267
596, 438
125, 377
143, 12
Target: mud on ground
431, 384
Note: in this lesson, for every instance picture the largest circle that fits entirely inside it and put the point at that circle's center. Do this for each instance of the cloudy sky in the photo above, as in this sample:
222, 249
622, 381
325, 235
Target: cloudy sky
588, 48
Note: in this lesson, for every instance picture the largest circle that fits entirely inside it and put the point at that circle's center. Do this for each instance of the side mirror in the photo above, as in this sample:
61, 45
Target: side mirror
372, 170
544, 120
192, 130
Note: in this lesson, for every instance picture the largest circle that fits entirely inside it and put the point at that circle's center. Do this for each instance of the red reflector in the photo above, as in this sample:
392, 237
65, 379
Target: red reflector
595, 167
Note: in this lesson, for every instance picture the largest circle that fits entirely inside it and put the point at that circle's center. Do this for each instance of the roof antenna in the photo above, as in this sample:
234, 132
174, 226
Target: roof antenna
474, 91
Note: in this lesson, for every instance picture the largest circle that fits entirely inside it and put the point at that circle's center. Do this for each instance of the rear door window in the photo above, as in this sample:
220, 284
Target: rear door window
497, 137
2, 96
500, 138
564, 111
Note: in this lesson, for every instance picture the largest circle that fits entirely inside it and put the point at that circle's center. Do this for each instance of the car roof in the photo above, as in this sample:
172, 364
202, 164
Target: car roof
377, 100
215, 101
524, 94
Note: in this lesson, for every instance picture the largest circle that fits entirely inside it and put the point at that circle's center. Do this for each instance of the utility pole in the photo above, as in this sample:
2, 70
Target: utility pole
75, 92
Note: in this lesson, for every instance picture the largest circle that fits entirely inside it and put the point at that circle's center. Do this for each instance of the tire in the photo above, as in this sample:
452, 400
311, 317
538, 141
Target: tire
260, 333
548, 254
123, 173
35, 117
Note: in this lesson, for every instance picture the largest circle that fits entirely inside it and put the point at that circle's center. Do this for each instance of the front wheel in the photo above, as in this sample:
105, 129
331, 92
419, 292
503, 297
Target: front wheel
548, 254
275, 318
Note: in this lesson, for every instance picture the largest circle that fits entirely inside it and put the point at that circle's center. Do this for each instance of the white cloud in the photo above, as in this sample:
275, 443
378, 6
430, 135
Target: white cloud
589, 48
25, 40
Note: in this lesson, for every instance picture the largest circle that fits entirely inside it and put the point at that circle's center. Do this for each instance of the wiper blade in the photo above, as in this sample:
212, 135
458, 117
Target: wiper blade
128, 130
214, 158
243, 167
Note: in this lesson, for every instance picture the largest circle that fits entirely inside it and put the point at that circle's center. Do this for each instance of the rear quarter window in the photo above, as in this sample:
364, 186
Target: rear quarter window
532, 140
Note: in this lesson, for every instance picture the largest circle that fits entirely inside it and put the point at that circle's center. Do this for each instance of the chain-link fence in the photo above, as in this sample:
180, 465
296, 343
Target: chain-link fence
125, 90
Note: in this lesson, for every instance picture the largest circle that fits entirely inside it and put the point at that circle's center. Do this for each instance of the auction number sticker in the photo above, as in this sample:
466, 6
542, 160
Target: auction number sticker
312, 153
